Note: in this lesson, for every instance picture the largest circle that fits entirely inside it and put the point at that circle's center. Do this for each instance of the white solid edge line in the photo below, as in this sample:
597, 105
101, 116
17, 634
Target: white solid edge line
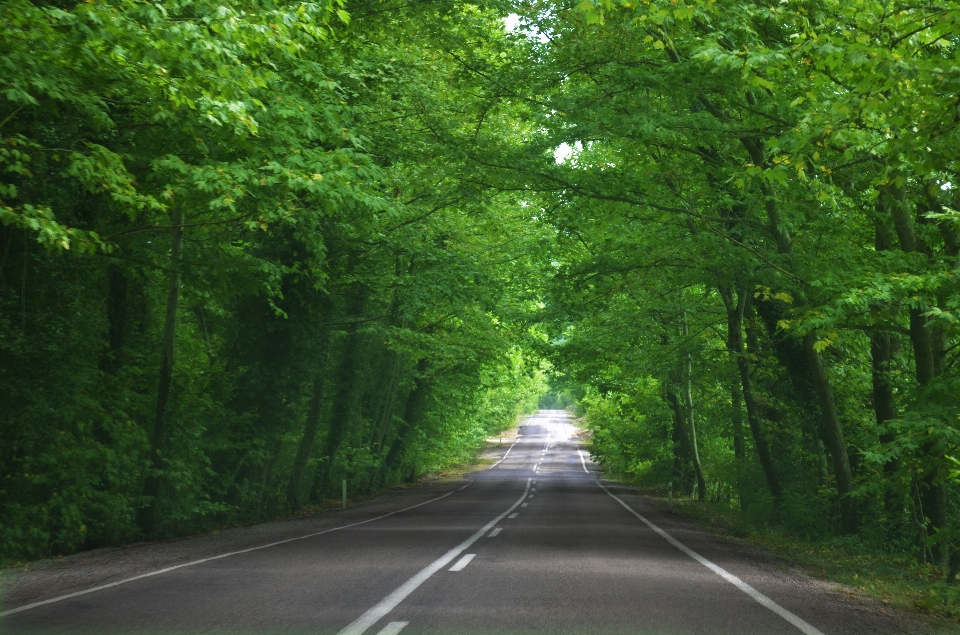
463, 562
387, 604
60, 598
582, 462
392, 628
506, 453
760, 598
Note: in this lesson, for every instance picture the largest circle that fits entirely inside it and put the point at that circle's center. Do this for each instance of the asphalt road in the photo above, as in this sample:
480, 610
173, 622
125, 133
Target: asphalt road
535, 544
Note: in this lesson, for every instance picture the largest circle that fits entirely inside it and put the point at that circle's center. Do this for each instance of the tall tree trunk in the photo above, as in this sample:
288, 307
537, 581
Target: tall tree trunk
267, 502
881, 342
881, 358
736, 422
117, 286
295, 494
934, 493
347, 386
681, 439
412, 409
790, 354
735, 309
386, 414
691, 420
920, 336
793, 360
310, 427
823, 473
146, 517
755, 148
922, 341
739, 444
849, 521
882, 345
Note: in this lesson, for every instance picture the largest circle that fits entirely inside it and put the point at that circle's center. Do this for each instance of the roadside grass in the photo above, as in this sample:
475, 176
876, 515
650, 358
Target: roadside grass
446, 475
481, 461
449, 474
455, 472
897, 581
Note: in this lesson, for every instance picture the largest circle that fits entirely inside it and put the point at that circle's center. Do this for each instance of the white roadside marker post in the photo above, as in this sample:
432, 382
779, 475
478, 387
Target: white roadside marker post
344, 493
670, 494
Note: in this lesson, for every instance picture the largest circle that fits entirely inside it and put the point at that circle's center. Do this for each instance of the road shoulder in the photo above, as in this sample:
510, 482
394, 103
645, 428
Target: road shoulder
768, 570
54, 577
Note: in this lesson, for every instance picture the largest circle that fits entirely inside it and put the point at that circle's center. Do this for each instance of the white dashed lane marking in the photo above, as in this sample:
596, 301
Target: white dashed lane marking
494, 532
462, 562
392, 628
513, 515
387, 604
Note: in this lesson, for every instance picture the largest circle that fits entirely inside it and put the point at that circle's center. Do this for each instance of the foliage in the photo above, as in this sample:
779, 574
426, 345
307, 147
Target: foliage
755, 280
341, 304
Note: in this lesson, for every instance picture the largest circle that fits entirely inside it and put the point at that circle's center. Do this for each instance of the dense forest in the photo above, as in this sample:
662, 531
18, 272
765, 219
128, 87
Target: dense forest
756, 272
253, 248
240, 264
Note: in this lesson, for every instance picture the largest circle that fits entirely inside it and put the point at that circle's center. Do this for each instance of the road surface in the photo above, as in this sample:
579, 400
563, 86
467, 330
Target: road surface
535, 544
